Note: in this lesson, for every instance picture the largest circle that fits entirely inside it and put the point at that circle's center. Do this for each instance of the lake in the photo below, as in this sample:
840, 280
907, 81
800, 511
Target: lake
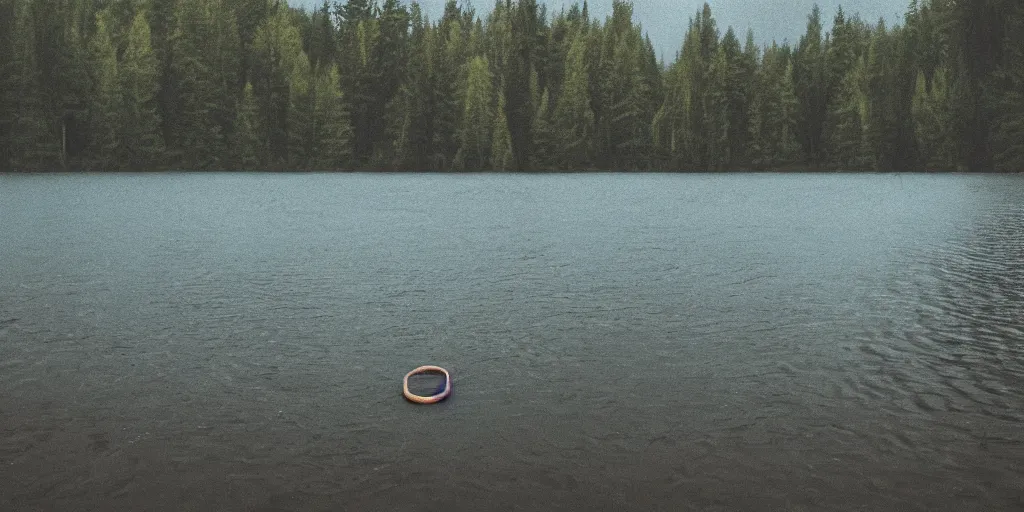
617, 342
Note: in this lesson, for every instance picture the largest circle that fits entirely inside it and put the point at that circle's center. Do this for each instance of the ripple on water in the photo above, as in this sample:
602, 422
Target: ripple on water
654, 343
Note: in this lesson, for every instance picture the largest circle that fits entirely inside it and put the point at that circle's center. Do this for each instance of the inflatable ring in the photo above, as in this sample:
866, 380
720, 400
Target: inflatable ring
433, 399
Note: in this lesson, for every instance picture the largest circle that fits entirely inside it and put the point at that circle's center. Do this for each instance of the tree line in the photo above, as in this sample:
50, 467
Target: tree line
367, 85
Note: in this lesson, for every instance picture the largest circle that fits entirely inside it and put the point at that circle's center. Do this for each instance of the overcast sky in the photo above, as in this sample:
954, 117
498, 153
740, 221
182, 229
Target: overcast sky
666, 20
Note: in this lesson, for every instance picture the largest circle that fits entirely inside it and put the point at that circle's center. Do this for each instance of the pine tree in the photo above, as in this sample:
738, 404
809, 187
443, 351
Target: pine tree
502, 158
527, 31
673, 125
690, 118
198, 132
891, 87
332, 133
932, 125
300, 123
392, 62
161, 22
773, 138
477, 119
573, 118
809, 78
32, 145
226, 65
278, 58
718, 113
246, 143
746, 74
363, 92
848, 147
212, 84
105, 102
734, 83
449, 87
702, 121
413, 126
8, 77
323, 46
978, 32
629, 94
139, 123
544, 139
840, 56
1007, 140
71, 96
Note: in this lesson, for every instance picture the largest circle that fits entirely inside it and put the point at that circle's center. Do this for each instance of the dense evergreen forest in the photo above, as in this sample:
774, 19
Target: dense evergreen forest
363, 85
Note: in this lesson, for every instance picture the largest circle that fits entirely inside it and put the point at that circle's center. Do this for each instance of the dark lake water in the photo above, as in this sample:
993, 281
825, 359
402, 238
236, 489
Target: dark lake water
616, 342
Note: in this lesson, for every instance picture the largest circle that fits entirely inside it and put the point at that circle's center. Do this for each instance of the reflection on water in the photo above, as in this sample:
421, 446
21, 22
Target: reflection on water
760, 342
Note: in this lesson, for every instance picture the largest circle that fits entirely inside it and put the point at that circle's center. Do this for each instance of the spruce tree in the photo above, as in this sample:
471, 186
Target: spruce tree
932, 123
1007, 140
449, 88
502, 157
32, 142
718, 113
300, 124
773, 138
392, 61
103, 111
734, 85
544, 138
848, 146
197, 133
8, 77
246, 143
332, 133
477, 118
810, 87
413, 126
139, 122
277, 59
573, 118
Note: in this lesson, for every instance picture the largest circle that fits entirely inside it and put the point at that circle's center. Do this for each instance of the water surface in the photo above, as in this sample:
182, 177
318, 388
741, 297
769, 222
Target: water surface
617, 342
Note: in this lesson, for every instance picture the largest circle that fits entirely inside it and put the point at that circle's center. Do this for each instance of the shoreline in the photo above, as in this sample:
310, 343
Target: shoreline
488, 172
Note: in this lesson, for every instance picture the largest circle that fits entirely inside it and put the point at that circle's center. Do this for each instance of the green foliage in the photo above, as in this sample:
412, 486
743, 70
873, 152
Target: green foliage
627, 90
475, 133
502, 158
774, 111
373, 84
332, 130
141, 144
718, 113
846, 128
413, 124
810, 75
1007, 140
736, 74
104, 109
31, 142
573, 118
246, 143
8, 80
300, 125
278, 58
932, 122
544, 141
205, 67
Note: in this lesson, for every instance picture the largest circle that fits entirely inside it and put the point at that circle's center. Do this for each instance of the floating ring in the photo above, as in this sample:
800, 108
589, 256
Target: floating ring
433, 399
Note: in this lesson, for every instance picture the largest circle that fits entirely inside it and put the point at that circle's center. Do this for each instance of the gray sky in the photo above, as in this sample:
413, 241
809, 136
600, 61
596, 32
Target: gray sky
666, 20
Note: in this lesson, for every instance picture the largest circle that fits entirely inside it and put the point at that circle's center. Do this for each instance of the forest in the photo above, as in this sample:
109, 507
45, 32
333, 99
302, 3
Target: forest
362, 85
